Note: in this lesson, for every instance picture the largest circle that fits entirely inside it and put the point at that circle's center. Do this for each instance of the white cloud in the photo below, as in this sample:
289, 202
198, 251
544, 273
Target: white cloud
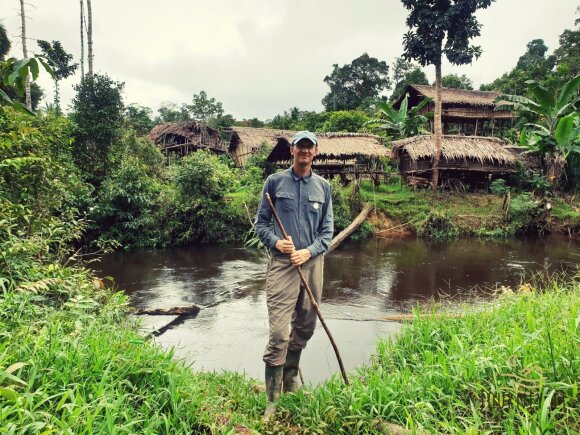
261, 57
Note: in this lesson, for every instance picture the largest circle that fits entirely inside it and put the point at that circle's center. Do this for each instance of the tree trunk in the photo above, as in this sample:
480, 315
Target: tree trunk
25, 54
350, 229
437, 120
82, 2
90, 37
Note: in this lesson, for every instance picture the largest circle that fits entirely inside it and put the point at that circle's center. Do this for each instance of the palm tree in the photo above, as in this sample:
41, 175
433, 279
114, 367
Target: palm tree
402, 123
555, 133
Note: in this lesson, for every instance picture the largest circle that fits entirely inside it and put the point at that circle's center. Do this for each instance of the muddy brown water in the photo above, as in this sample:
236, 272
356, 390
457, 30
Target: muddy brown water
363, 283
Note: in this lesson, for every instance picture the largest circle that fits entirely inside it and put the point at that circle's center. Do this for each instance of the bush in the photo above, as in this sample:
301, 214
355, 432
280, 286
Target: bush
528, 216
125, 204
498, 187
437, 226
346, 121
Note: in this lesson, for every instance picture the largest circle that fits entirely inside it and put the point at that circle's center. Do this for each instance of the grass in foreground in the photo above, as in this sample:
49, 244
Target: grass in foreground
72, 362
514, 368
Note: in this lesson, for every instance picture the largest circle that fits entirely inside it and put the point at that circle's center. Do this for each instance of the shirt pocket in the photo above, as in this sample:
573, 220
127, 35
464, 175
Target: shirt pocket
315, 203
285, 201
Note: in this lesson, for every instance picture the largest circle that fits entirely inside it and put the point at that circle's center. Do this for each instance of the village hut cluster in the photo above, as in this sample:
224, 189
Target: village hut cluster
470, 152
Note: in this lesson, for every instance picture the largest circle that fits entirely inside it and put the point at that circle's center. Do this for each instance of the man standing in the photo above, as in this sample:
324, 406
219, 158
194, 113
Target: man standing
303, 202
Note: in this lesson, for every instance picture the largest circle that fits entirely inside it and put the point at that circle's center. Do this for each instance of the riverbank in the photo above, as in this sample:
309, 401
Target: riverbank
73, 360
401, 211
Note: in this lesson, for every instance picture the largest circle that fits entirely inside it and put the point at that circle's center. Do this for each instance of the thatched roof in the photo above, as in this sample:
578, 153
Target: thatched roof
186, 132
452, 96
255, 137
335, 145
482, 149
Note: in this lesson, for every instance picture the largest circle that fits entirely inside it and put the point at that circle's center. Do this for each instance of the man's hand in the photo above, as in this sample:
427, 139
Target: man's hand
285, 246
300, 257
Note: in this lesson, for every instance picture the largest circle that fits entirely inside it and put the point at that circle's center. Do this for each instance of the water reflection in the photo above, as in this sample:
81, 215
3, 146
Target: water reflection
363, 282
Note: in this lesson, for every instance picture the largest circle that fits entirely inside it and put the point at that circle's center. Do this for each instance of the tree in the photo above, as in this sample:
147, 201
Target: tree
10, 90
350, 85
170, 112
139, 118
345, 121
254, 122
14, 74
415, 76
432, 23
402, 123
555, 134
456, 81
25, 54
204, 108
532, 65
4, 43
98, 115
90, 37
82, 3
567, 56
59, 60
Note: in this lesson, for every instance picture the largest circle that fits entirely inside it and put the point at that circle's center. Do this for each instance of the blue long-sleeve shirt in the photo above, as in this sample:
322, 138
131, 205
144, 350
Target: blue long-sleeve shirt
304, 205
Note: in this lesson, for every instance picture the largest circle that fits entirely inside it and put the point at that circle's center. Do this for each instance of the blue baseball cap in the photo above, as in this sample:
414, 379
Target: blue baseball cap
304, 135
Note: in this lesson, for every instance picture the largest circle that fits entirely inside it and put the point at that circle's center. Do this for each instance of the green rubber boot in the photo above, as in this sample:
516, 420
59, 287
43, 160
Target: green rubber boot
273, 389
291, 380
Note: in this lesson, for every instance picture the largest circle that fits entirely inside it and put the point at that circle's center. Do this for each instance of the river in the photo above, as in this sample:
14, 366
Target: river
363, 283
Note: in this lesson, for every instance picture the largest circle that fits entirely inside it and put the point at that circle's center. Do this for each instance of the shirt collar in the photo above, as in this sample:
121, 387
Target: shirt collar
306, 178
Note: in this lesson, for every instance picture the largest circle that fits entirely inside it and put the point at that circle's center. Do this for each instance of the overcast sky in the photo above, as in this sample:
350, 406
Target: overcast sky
261, 57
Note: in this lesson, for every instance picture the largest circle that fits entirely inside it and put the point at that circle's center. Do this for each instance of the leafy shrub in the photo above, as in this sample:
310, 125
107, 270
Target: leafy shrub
345, 120
124, 208
437, 226
528, 216
498, 187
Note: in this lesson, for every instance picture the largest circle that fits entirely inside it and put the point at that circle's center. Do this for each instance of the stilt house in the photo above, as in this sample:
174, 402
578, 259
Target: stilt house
185, 137
347, 155
246, 141
474, 160
469, 113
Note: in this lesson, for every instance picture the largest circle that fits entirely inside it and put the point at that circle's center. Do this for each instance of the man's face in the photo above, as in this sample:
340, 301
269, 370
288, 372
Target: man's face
303, 153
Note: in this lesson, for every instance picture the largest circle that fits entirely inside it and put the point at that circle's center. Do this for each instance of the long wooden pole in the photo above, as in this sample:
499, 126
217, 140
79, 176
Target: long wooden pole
310, 295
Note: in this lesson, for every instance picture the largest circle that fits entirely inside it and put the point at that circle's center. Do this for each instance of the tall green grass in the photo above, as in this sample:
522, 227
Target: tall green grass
513, 368
71, 361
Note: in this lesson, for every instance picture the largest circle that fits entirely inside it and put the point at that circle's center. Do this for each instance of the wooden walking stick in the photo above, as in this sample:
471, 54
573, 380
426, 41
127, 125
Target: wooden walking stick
310, 295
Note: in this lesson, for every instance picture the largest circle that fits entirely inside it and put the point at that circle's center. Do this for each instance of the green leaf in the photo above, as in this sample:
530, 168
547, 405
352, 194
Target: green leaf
46, 66
9, 394
14, 367
22, 108
33, 68
544, 97
568, 91
565, 129
5, 97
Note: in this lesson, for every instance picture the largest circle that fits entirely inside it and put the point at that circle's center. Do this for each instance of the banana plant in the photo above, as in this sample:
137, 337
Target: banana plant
402, 123
548, 106
555, 134
15, 72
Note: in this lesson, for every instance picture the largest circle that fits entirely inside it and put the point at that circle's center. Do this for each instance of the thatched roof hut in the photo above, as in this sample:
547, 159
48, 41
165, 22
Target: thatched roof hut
339, 153
472, 110
335, 146
472, 158
186, 136
245, 141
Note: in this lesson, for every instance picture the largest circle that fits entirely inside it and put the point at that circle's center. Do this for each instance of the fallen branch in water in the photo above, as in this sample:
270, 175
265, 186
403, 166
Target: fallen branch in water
351, 228
174, 311
393, 228
411, 317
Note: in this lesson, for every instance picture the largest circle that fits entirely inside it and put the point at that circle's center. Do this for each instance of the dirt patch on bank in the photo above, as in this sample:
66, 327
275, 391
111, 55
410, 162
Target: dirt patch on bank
389, 228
